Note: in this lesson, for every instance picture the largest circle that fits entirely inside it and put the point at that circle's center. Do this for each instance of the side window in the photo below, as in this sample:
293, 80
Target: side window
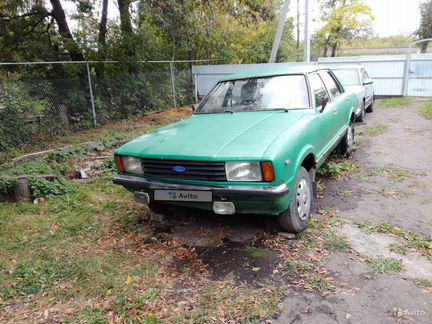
331, 85
319, 91
364, 75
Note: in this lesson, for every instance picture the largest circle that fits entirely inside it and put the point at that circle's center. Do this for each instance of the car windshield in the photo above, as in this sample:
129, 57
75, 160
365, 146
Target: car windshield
348, 76
257, 94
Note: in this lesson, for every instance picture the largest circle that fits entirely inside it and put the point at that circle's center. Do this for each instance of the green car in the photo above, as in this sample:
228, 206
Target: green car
252, 146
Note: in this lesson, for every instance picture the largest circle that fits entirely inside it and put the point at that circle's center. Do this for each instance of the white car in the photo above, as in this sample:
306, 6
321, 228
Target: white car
354, 78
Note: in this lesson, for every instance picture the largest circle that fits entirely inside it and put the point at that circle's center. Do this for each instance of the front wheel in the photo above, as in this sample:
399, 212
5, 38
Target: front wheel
346, 146
295, 219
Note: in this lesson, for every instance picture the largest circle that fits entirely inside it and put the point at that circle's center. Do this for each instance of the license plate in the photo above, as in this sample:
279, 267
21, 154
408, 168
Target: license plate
183, 195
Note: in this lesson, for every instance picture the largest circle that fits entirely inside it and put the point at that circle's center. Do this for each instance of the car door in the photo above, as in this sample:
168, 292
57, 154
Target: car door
340, 105
327, 124
368, 87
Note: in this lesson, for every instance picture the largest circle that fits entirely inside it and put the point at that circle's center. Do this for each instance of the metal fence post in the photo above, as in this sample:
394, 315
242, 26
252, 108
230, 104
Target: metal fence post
406, 75
91, 95
195, 88
173, 84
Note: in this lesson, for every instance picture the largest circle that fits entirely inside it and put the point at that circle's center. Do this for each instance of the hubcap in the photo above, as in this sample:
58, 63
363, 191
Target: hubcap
303, 199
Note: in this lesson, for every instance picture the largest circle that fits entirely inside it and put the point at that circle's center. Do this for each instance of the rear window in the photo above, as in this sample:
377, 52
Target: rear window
347, 77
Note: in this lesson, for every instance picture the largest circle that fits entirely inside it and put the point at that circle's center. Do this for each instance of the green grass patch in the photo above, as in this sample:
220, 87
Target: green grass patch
396, 175
337, 169
297, 267
373, 131
257, 253
427, 111
409, 240
396, 102
386, 266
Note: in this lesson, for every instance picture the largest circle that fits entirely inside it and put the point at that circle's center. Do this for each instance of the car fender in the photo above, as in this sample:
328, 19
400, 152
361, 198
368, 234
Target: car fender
295, 165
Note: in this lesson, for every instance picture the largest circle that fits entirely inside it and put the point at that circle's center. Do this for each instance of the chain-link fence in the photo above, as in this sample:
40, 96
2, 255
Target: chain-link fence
43, 101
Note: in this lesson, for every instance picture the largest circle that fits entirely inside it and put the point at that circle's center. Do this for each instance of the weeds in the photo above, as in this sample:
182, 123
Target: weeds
409, 240
395, 102
386, 266
427, 111
373, 131
336, 170
396, 175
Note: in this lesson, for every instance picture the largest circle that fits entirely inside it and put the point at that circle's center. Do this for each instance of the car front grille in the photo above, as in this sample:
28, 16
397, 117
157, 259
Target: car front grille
193, 170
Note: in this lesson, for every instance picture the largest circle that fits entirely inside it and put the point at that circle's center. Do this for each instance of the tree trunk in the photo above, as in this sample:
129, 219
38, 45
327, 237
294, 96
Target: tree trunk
103, 25
334, 50
69, 42
424, 47
127, 33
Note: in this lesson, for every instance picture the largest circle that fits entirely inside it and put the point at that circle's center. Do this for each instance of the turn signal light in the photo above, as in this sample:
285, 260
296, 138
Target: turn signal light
119, 163
267, 171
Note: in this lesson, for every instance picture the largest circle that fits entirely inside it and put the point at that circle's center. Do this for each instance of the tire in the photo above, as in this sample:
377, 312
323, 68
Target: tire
371, 108
360, 118
296, 218
346, 146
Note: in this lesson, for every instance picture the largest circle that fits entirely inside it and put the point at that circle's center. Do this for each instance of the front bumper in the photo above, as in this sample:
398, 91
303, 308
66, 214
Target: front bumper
133, 183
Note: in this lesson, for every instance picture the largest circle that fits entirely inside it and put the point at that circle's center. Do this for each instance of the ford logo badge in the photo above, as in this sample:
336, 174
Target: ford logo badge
179, 169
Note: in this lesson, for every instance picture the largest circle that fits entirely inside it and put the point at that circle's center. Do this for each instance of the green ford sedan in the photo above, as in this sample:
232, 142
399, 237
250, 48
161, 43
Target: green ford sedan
252, 146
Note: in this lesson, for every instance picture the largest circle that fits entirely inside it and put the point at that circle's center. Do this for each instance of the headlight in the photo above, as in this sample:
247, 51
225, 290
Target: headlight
243, 171
132, 165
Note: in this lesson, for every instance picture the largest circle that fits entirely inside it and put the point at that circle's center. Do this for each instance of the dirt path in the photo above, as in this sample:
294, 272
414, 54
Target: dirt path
391, 195
394, 186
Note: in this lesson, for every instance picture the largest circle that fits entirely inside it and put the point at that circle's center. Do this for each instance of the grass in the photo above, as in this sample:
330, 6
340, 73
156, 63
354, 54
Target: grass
396, 102
425, 283
396, 175
92, 251
408, 240
373, 131
344, 193
337, 169
386, 266
427, 110
257, 253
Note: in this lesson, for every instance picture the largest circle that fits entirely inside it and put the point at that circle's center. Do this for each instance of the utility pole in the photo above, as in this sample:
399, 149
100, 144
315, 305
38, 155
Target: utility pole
298, 24
306, 57
279, 31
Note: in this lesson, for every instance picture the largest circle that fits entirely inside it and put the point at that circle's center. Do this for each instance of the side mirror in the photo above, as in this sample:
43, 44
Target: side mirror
368, 81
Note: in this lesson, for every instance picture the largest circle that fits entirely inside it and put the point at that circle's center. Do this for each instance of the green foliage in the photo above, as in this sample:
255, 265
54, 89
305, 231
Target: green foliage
344, 20
427, 111
425, 28
386, 266
395, 102
41, 187
7, 184
336, 170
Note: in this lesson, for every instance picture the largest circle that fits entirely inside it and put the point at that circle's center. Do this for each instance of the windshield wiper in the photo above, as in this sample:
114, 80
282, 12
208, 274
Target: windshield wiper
228, 111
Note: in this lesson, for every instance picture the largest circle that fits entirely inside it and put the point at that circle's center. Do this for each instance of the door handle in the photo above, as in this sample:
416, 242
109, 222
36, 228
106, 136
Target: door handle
347, 99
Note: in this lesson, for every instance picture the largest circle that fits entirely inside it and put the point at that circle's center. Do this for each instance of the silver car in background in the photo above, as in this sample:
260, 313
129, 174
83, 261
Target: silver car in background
354, 78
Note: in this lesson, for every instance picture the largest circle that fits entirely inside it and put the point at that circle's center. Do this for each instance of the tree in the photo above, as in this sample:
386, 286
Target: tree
344, 20
425, 29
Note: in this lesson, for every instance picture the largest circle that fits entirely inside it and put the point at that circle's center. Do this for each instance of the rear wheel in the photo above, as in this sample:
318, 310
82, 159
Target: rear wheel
371, 108
360, 118
346, 147
295, 219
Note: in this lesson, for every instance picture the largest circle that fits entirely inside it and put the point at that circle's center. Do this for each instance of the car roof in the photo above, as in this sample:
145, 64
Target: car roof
346, 67
283, 70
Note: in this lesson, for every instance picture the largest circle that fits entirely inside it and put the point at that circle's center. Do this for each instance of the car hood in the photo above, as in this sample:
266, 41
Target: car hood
244, 135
